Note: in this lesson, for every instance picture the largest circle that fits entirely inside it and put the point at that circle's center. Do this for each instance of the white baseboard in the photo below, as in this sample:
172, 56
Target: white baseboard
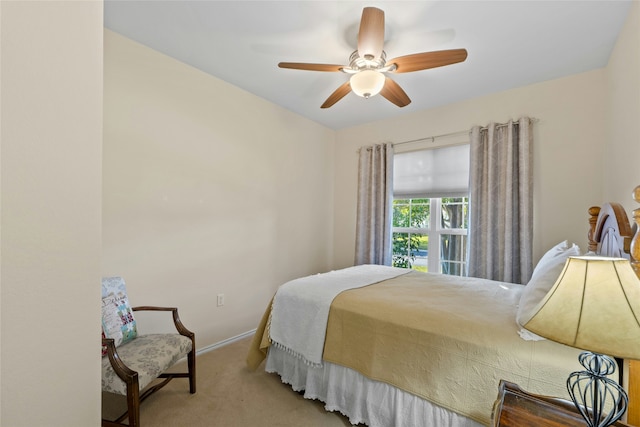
225, 342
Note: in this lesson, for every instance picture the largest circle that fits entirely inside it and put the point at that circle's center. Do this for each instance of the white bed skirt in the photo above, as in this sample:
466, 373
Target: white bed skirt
362, 400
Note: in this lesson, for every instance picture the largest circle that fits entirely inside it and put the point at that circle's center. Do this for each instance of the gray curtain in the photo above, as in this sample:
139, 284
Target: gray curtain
374, 210
500, 202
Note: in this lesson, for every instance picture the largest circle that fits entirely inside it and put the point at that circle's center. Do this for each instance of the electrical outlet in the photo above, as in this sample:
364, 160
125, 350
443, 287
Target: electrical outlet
220, 300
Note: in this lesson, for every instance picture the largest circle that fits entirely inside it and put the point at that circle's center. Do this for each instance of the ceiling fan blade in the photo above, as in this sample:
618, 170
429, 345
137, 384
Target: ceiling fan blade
426, 60
337, 95
310, 67
371, 33
394, 93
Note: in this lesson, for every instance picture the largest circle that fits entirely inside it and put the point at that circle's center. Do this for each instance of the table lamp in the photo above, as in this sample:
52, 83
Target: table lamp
594, 306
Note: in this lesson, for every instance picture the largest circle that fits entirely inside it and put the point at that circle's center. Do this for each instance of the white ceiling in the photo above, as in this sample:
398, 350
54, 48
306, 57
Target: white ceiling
510, 44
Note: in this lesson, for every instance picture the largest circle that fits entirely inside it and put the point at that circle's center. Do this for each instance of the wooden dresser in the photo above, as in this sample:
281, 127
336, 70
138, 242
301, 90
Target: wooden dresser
517, 408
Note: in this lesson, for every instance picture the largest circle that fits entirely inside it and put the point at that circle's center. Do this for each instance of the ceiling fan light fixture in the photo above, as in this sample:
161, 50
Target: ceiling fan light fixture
367, 83
368, 64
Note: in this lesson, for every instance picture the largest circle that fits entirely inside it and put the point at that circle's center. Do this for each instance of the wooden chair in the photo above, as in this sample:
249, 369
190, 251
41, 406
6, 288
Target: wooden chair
132, 361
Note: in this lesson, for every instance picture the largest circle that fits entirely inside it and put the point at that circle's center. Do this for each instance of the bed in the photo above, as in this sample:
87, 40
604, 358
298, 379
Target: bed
395, 347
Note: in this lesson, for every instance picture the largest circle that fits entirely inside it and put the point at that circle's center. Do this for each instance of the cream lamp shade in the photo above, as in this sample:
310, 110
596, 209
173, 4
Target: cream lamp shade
594, 305
367, 83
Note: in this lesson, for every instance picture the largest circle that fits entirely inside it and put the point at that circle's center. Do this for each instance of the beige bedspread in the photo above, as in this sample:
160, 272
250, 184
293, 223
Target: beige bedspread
447, 339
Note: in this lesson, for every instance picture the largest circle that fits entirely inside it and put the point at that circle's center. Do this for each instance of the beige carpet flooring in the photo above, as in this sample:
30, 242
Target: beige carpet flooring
228, 395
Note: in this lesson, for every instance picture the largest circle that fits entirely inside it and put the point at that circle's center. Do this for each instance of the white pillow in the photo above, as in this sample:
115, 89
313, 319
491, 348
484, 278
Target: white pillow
542, 280
552, 254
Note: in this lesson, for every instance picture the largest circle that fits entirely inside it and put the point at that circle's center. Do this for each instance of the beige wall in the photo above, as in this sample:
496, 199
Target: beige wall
51, 135
622, 171
208, 189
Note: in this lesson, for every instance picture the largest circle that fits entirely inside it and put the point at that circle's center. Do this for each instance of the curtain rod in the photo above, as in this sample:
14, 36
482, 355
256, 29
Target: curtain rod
444, 135
432, 138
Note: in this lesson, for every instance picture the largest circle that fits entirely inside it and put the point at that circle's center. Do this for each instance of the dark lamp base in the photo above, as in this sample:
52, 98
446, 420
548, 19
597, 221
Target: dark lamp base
594, 393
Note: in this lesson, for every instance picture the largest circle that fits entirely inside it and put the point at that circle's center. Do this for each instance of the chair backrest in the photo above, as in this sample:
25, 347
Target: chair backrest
113, 285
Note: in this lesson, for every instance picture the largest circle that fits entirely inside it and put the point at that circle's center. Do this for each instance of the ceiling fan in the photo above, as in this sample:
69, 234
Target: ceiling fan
368, 64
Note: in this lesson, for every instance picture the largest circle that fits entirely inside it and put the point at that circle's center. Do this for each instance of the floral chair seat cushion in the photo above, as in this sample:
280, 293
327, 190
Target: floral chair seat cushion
149, 355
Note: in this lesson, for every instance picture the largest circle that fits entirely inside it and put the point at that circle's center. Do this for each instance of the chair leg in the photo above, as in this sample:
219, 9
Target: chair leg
133, 404
191, 361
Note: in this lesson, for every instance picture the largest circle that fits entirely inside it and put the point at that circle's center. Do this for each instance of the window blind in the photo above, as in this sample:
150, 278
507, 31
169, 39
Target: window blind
438, 172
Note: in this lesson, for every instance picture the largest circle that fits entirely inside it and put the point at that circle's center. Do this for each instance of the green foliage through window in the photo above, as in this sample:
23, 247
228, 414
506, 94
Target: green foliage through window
412, 229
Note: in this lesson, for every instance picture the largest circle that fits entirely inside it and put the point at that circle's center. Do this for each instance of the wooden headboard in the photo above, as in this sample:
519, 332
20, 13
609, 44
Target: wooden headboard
611, 234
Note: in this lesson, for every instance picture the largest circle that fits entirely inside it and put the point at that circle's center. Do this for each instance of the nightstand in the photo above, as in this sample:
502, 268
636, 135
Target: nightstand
517, 408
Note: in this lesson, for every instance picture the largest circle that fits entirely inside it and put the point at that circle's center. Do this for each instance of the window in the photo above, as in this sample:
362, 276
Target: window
443, 222
431, 209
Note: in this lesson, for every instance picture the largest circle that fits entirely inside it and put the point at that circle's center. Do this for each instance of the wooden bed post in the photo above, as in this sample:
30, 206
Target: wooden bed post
633, 416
